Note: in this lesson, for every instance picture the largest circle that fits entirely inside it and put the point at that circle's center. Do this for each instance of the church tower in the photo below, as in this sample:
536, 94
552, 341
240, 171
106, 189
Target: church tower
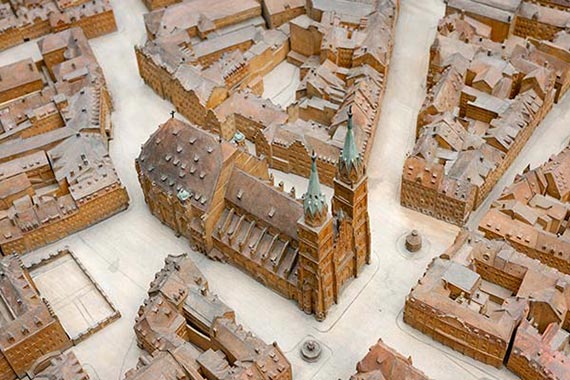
315, 232
351, 196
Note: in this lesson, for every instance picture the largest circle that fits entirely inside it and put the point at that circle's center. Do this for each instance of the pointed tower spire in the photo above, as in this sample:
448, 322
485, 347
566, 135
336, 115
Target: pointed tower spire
350, 163
314, 202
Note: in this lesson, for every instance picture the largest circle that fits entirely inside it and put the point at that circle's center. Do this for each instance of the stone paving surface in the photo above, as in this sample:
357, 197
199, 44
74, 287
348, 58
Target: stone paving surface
124, 252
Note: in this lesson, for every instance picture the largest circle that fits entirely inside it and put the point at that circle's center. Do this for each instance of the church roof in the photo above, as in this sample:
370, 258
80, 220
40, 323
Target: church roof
180, 156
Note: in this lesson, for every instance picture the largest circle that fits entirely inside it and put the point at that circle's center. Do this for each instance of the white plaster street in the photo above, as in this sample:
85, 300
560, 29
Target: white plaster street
123, 253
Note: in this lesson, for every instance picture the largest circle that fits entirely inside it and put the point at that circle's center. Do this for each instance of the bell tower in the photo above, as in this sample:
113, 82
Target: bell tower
351, 196
315, 233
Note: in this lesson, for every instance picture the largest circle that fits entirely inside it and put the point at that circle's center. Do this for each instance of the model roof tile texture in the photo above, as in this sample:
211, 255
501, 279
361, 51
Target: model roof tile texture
58, 366
188, 332
210, 62
484, 101
341, 68
383, 363
56, 175
21, 21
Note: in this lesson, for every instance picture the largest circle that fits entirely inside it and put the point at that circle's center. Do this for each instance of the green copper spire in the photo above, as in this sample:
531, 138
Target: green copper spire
349, 155
314, 202
350, 163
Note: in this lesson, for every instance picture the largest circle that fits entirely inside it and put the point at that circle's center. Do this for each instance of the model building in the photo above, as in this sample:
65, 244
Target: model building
383, 363
482, 296
296, 139
189, 333
208, 190
47, 306
56, 176
29, 328
532, 213
24, 20
540, 19
484, 101
58, 366
343, 64
215, 80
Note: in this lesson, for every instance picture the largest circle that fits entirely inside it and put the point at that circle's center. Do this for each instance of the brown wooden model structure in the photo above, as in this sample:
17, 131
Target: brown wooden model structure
209, 190
209, 61
188, 332
383, 363
488, 301
26, 20
484, 101
56, 175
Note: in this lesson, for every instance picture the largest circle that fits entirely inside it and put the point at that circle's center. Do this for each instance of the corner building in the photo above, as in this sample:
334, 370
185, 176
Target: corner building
29, 328
486, 300
188, 333
210, 190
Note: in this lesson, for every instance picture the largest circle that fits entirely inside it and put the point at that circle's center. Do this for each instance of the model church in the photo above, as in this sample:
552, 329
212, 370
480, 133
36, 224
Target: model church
209, 191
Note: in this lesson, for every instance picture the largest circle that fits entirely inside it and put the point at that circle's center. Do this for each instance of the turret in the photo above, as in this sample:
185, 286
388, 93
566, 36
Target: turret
314, 202
350, 200
350, 166
316, 233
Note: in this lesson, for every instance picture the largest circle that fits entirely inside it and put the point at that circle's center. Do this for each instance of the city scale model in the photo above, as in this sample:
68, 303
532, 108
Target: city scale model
500, 294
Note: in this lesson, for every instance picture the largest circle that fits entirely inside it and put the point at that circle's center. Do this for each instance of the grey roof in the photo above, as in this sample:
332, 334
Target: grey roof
278, 209
461, 277
181, 156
